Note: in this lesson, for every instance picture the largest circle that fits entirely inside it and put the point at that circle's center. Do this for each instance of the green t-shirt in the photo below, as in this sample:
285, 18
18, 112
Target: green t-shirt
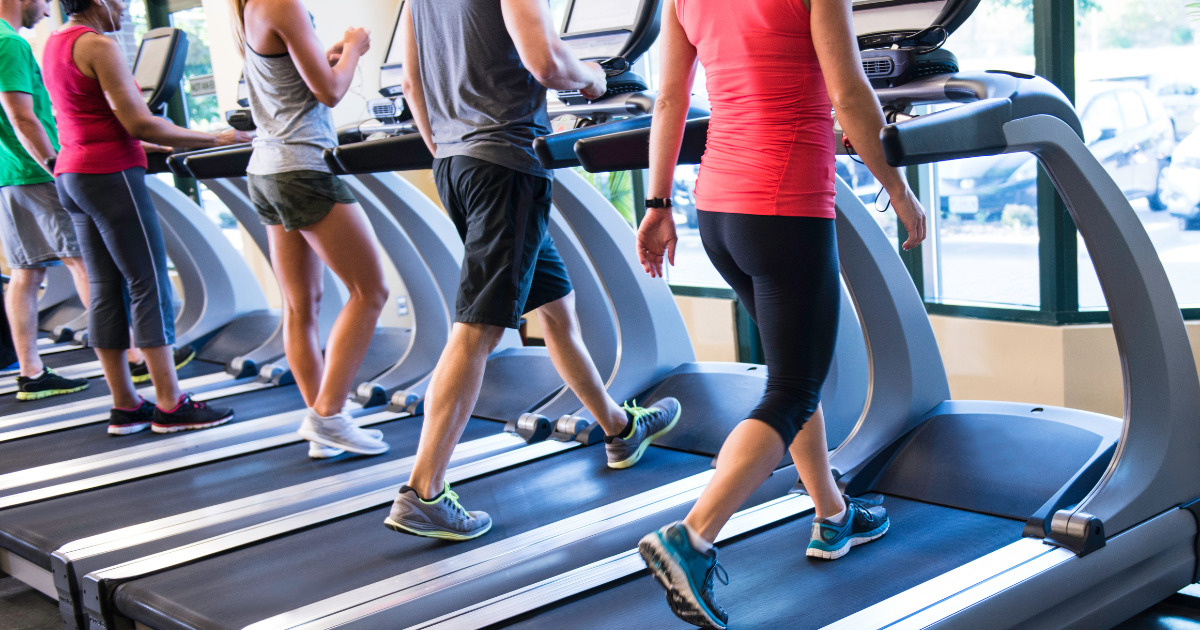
19, 72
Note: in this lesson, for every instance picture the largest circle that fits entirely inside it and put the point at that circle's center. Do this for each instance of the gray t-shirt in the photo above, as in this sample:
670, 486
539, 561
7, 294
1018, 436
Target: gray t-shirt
481, 100
294, 128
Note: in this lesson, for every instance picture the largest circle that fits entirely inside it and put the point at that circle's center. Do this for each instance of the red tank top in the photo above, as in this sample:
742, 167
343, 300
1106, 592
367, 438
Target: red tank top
770, 139
93, 140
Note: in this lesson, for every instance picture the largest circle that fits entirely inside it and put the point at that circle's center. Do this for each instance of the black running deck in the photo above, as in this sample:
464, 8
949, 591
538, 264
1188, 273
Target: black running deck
772, 584
97, 388
283, 574
93, 439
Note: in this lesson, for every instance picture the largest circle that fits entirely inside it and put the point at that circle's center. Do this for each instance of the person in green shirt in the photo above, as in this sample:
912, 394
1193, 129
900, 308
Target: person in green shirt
35, 230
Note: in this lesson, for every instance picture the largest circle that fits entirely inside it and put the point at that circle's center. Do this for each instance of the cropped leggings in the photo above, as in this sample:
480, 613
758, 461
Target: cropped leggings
785, 271
126, 259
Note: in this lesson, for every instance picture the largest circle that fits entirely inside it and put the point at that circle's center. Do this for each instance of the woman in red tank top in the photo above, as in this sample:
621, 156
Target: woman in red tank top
99, 173
766, 199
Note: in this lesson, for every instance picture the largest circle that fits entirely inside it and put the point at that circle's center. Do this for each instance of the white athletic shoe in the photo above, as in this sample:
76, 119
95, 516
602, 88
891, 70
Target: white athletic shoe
339, 432
317, 451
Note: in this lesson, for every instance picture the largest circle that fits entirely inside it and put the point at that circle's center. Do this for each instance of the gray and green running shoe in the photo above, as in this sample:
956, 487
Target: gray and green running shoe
646, 424
686, 574
865, 520
48, 383
442, 517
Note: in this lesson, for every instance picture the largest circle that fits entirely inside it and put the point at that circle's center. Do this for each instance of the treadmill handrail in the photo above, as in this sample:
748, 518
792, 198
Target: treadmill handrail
398, 153
175, 162
630, 150
219, 164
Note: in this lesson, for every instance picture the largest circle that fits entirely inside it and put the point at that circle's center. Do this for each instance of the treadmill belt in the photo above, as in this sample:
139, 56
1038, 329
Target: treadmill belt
237, 589
37, 530
93, 439
96, 387
772, 584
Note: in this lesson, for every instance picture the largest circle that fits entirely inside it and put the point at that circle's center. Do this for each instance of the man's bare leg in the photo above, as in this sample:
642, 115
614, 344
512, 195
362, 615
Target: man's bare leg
453, 390
575, 366
21, 305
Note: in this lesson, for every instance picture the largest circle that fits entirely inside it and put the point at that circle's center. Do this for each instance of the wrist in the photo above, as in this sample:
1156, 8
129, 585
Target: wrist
658, 203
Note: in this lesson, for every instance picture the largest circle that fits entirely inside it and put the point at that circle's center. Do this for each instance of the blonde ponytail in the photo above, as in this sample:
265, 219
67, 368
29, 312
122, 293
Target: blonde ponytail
239, 24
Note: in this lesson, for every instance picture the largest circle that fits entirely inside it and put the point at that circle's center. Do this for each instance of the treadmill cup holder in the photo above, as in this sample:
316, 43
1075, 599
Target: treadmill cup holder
532, 427
370, 395
242, 367
577, 429
1079, 532
276, 373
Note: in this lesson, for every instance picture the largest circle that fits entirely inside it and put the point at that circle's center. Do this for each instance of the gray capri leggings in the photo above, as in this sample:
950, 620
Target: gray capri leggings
125, 255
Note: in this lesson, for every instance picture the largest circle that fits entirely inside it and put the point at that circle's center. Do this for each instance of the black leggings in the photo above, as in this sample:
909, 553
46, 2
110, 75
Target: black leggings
785, 271
125, 256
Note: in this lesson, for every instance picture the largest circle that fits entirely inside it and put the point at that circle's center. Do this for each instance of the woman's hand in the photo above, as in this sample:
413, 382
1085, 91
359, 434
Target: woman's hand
912, 215
357, 39
656, 235
232, 136
334, 54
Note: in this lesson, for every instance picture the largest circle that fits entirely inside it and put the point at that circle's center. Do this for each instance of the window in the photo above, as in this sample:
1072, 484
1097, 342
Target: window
1133, 60
982, 212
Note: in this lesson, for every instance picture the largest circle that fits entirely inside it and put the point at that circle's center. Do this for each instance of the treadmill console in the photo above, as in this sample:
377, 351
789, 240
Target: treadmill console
614, 33
390, 72
158, 67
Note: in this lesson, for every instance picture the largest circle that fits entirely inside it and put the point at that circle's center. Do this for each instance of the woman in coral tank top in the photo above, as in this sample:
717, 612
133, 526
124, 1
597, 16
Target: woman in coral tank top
766, 199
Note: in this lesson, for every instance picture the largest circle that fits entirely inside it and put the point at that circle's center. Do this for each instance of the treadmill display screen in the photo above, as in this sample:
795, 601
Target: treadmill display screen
394, 54
152, 57
589, 16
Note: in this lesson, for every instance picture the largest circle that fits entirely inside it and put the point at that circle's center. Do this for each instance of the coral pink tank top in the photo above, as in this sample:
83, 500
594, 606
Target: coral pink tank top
770, 139
93, 140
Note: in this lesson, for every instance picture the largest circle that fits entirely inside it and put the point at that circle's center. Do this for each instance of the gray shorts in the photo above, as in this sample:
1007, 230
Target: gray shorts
35, 229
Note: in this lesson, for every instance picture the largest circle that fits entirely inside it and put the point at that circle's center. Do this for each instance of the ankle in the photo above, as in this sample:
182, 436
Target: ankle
698, 542
30, 372
834, 509
175, 407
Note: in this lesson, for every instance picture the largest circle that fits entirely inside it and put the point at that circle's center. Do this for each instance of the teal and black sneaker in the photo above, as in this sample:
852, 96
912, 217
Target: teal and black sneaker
687, 575
646, 424
865, 520
48, 383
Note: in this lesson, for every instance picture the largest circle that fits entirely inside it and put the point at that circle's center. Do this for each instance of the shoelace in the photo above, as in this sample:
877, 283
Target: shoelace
635, 412
452, 497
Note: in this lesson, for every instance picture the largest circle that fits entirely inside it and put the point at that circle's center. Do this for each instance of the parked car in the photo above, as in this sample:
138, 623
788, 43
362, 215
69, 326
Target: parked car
1182, 102
1182, 182
1125, 127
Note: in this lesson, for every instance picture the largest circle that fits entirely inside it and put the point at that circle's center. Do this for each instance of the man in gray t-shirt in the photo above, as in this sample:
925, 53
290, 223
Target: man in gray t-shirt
475, 76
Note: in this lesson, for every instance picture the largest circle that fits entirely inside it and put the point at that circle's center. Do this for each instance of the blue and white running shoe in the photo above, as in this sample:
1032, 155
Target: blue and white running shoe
865, 520
687, 574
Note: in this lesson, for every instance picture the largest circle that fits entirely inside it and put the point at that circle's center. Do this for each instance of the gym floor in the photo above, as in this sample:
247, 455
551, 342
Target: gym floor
22, 608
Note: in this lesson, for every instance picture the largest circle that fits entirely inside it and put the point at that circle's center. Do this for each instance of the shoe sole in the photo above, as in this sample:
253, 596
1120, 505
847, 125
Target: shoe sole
433, 533
684, 604
312, 436
49, 392
126, 429
874, 534
320, 451
637, 455
175, 428
141, 378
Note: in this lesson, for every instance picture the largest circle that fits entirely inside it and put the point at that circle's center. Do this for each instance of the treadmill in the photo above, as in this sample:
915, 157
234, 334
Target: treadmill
1004, 515
223, 306
119, 579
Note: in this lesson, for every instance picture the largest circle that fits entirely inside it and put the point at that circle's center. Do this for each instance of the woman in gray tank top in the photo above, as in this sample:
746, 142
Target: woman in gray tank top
310, 214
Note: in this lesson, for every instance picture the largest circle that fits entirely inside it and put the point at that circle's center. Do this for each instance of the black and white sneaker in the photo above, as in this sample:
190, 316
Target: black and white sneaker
141, 373
126, 421
189, 415
48, 383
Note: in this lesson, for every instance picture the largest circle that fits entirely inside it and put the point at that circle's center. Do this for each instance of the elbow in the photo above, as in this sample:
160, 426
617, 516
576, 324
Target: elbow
328, 99
407, 85
545, 70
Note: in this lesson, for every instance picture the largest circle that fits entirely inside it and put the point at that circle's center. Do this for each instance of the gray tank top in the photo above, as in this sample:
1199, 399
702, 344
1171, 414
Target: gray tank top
482, 102
294, 128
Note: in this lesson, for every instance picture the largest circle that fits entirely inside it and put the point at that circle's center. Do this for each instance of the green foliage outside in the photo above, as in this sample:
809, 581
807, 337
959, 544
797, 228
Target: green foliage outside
203, 112
616, 187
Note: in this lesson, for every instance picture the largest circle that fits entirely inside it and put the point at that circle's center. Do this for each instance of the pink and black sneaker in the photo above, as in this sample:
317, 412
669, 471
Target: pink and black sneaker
126, 421
189, 415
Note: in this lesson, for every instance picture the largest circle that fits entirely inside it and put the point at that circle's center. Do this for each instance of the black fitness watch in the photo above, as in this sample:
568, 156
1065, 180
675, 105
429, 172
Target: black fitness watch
658, 202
